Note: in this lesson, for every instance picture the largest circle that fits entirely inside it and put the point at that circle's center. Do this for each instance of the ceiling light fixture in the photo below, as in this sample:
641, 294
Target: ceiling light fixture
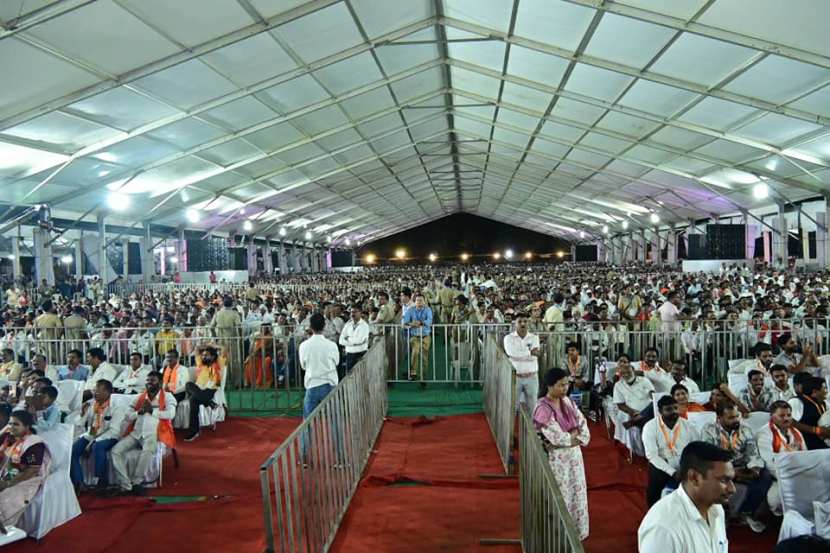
625, 225
760, 191
308, 235
247, 226
654, 218
117, 201
283, 231
192, 215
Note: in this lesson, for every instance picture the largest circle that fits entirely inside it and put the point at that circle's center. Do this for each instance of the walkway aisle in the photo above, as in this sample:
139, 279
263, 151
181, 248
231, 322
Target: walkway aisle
617, 504
422, 492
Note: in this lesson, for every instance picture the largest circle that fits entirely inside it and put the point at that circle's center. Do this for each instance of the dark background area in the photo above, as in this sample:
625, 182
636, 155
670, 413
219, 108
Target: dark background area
453, 235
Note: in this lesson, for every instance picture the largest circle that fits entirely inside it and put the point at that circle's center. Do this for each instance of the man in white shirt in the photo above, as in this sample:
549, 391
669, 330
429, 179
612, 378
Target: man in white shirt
782, 390
670, 316
774, 439
664, 438
175, 376
651, 369
133, 379
355, 338
522, 347
99, 369
632, 396
691, 519
101, 420
678, 374
319, 358
151, 416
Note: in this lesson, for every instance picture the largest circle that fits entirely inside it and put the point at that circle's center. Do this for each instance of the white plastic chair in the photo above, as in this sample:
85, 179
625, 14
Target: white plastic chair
70, 395
803, 478
756, 420
737, 382
701, 418
182, 418
55, 504
12, 535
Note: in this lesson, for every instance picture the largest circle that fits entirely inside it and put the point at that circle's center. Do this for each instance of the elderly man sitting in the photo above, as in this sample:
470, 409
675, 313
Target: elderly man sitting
632, 395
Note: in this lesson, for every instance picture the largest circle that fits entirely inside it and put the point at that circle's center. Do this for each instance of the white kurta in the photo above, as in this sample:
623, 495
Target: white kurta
569, 469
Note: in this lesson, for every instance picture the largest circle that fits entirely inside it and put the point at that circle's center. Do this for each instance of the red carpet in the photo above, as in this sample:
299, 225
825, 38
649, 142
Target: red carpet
617, 502
422, 492
221, 465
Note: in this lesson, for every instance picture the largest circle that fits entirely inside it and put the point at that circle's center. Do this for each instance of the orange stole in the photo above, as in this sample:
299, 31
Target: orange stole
165, 429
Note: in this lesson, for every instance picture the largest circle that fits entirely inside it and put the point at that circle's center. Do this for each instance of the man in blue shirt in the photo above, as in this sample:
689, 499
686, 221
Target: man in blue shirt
73, 370
46, 412
418, 324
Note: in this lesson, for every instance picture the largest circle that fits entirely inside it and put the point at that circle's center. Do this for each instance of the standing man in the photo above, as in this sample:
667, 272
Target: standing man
74, 328
355, 338
151, 416
319, 358
522, 348
664, 438
418, 322
227, 327
691, 519
48, 328
554, 319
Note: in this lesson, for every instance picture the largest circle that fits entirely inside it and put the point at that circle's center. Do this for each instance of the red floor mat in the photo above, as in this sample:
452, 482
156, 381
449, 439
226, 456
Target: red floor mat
223, 466
422, 491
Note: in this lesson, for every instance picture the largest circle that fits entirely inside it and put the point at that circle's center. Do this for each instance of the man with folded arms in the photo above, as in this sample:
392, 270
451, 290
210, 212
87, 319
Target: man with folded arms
664, 438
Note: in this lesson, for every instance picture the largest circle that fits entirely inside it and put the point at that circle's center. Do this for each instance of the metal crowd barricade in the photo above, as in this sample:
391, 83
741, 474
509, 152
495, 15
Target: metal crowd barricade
447, 354
546, 524
308, 482
499, 398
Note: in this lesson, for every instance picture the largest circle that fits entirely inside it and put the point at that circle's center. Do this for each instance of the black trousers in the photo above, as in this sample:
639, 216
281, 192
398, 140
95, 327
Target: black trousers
197, 397
351, 360
657, 480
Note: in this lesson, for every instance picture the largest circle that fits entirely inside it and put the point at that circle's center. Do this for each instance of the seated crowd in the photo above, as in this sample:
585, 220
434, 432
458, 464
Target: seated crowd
132, 356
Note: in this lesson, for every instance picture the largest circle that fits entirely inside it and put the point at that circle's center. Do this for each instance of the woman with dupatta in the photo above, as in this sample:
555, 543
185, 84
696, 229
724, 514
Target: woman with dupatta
564, 431
258, 372
24, 464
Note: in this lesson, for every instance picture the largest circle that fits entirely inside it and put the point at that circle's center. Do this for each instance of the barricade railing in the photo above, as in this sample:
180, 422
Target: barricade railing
498, 398
546, 524
308, 482
444, 353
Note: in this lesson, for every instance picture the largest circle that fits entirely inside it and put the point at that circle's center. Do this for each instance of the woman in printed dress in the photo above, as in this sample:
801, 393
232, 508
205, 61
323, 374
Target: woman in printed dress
564, 431
24, 461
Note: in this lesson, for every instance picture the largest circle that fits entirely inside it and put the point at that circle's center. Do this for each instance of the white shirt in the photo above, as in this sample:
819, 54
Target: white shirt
182, 378
764, 439
782, 395
355, 336
659, 378
132, 381
105, 371
518, 350
636, 395
110, 425
668, 317
319, 358
674, 525
147, 424
657, 448
690, 385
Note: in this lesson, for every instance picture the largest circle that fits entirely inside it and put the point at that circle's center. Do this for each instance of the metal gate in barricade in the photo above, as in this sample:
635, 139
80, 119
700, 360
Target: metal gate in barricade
448, 353
498, 398
546, 524
308, 482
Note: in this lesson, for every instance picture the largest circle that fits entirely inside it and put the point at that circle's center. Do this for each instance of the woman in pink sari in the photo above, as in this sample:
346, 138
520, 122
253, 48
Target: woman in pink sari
564, 431
24, 463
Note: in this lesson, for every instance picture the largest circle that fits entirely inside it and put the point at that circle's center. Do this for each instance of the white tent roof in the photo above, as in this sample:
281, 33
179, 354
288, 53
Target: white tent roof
359, 118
